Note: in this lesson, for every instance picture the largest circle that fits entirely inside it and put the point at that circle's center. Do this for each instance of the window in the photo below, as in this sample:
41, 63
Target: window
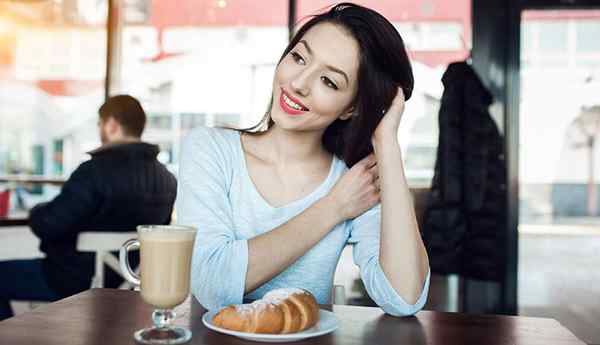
52, 72
588, 44
552, 36
191, 120
560, 187
588, 36
156, 121
202, 63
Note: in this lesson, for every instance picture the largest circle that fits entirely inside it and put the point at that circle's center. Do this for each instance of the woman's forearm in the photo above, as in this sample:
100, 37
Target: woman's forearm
402, 254
271, 253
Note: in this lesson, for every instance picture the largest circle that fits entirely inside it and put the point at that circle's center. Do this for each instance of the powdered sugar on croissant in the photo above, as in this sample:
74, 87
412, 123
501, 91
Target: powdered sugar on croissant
275, 296
287, 310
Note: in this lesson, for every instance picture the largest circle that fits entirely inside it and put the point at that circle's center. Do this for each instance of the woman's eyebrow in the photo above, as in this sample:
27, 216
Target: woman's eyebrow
334, 69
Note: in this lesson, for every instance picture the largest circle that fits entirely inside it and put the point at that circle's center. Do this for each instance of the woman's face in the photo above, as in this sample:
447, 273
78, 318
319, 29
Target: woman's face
316, 81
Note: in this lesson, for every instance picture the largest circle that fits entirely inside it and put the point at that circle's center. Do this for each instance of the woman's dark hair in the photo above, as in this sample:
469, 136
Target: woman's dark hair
384, 66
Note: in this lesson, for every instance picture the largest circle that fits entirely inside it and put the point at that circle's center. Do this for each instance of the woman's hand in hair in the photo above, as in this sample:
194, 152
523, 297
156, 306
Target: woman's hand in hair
358, 190
388, 126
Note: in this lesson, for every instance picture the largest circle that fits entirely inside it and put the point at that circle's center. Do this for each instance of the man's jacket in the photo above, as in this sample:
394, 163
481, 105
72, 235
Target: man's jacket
120, 187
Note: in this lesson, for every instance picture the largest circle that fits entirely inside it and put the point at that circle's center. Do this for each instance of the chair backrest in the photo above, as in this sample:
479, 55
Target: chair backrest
102, 243
95, 241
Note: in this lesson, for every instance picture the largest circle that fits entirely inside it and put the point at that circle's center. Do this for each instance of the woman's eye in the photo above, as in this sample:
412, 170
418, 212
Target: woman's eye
329, 83
298, 58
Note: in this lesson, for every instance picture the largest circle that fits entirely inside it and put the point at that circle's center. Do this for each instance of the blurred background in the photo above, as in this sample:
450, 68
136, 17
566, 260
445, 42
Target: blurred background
210, 62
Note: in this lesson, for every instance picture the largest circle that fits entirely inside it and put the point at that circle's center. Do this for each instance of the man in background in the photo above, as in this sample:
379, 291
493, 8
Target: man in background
120, 187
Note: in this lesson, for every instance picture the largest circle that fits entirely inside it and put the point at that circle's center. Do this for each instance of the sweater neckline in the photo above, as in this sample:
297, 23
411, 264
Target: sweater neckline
259, 196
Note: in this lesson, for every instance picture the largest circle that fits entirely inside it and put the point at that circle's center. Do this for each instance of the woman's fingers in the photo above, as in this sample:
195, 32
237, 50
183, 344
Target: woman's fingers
369, 161
374, 171
398, 102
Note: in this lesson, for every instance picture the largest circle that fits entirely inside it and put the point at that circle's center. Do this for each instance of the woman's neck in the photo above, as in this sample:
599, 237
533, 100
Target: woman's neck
292, 147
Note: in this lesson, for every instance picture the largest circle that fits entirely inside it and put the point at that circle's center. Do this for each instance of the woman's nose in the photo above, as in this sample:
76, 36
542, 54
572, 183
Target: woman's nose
301, 83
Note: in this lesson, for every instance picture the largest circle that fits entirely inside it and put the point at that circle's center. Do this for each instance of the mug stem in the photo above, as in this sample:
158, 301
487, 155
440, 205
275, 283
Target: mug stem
162, 318
163, 332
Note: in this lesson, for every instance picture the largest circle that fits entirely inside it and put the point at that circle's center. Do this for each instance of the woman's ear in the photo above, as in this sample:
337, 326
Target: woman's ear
348, 114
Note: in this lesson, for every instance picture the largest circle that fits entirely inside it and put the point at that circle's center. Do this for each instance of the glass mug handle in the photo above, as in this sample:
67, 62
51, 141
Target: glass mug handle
126, 270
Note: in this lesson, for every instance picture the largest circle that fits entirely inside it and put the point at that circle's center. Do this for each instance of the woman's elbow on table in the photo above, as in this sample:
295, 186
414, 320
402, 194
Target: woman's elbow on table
397, 306
208, 294
403, 309
205, 298
218, 277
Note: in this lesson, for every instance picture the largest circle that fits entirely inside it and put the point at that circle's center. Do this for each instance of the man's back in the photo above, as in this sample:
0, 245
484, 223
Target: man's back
122, 186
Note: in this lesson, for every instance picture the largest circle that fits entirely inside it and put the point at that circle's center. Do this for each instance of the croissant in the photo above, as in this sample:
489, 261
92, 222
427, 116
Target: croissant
280, 311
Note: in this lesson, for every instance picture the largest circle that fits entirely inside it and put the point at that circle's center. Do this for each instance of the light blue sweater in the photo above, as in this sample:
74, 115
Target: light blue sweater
216, 195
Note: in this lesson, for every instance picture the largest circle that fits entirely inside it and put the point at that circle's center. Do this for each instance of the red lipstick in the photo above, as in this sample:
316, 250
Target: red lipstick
288, 108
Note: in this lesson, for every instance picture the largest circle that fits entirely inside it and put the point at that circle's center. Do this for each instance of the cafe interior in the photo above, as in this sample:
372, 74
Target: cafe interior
508, 207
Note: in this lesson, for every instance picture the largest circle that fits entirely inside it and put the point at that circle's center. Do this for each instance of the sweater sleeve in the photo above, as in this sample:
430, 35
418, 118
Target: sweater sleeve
364, 236
76, 203
220, 260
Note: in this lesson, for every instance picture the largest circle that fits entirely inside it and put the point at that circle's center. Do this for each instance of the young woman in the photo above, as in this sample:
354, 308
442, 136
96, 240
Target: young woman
275, 208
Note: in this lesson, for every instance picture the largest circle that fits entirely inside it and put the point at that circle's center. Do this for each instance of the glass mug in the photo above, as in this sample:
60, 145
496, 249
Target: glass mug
164, 280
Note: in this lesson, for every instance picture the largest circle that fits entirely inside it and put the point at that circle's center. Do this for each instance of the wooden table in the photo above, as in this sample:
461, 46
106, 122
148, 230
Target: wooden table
104, 316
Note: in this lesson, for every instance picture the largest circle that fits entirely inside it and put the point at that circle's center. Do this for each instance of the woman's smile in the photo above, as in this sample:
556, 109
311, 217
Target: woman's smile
290, 104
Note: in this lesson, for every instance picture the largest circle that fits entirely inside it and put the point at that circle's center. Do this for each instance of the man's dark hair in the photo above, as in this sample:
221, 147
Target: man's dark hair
127, 111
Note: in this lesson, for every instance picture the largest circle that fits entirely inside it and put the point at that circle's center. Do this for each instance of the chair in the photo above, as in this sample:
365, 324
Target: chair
103, 243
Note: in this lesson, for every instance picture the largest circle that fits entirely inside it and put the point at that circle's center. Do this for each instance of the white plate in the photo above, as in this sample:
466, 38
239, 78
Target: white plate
327, 324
